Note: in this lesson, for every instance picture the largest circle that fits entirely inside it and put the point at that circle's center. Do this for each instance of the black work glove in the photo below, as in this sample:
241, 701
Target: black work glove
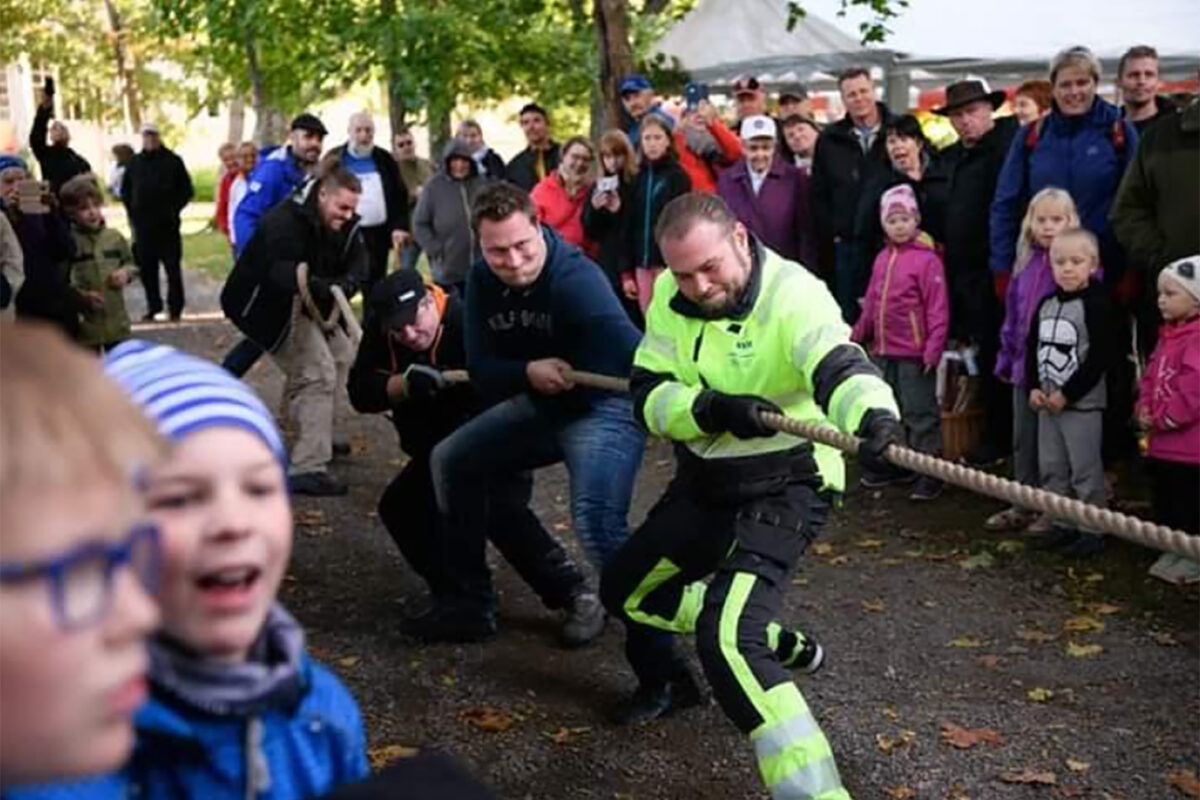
879, 428
318, 289
740, 414
422, 382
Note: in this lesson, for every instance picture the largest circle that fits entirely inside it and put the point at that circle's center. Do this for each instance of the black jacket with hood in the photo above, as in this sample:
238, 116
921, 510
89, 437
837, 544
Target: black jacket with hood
58, 161
259, 294
442, 221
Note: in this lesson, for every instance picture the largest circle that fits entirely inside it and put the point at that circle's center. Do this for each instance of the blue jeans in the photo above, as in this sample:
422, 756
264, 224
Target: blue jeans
602, 450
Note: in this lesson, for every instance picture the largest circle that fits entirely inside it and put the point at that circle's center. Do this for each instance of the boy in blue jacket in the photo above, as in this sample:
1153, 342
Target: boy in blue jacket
237, 707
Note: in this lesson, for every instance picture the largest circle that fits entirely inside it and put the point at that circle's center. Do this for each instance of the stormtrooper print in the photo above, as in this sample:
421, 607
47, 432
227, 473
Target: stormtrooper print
1058, 350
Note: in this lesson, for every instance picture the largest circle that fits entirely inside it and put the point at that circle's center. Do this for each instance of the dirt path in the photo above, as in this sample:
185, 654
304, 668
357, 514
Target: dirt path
1087, 673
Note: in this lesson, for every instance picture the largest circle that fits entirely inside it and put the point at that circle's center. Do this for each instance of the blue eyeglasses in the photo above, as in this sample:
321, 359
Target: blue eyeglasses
81, 579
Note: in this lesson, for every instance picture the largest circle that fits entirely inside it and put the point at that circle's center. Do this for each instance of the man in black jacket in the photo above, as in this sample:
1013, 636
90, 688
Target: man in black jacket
411, 333
540, 157
317, 227
155, 189
848, 152
383, 204
58, 161
972, 165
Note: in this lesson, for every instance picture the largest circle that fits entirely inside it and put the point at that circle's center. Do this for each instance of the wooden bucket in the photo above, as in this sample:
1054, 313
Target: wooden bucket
961, 432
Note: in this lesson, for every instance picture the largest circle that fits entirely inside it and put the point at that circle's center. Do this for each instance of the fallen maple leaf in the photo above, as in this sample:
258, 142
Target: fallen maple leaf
566, 735
1039, 695
870, 544
887, 744
966, 642
1083, 624
1078, 766
822, 549
874, 606
966, 738
487, 718
900, 793
1076, 650
1036, 636
380, 757
1028, 775
1184, 781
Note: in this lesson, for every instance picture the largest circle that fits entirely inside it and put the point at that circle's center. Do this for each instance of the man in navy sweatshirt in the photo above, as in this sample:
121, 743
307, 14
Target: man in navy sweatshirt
537, 307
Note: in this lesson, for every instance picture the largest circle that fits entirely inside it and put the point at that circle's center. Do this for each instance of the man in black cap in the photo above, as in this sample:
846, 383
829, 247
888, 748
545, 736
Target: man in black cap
411, 333
540, 157
274, 178
972, 165
794, 100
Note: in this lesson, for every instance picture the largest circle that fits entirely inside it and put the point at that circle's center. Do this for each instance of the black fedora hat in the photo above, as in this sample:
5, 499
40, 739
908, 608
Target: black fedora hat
964, 92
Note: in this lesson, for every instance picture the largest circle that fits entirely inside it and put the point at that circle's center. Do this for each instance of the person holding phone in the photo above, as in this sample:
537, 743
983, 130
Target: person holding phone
58, 161
604, 216
705, 145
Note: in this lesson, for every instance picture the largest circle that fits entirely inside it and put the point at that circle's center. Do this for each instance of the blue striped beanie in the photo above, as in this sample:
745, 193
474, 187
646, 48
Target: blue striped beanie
183, 394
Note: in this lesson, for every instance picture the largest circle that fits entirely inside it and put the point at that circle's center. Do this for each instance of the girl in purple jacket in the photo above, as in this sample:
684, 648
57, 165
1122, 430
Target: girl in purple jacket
1050, 212
905, 318
1168, 410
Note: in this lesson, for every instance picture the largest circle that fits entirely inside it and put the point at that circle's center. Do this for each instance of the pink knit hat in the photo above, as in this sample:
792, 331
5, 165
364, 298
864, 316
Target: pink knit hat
899, 199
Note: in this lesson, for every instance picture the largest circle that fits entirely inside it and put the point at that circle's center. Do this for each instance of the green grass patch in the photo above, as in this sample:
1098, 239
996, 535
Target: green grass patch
208, 251
204, 182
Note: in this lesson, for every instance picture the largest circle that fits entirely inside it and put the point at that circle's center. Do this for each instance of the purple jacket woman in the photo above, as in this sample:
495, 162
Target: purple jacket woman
778, 214
906, 313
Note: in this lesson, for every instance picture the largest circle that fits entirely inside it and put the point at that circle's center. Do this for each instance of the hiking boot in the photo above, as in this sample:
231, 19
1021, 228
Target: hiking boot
1056, 538
317, 484
893, 477
445, 623
1010, 519
1085, 545
653, 702
807, 658
926, 489
585, 620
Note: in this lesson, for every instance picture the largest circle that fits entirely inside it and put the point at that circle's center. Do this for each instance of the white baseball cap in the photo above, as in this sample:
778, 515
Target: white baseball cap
758, 126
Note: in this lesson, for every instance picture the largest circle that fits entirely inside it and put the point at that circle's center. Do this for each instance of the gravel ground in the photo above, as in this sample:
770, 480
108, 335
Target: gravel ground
1085, 672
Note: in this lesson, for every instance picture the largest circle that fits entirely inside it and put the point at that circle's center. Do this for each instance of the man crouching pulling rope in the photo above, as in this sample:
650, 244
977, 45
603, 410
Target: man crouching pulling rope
735, 330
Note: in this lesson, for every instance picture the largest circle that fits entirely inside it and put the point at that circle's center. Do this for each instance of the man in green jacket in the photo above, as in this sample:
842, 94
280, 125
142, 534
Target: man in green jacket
733, 331
1157, 204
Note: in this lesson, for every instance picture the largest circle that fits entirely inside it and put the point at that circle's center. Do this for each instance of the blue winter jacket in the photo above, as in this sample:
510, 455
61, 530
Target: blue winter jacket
274, 178
184, 754
1073, 153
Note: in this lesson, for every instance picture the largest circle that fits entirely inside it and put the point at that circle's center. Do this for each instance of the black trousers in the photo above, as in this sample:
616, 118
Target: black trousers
1174, 494
154, 245
378, 239
408, 510
749, 547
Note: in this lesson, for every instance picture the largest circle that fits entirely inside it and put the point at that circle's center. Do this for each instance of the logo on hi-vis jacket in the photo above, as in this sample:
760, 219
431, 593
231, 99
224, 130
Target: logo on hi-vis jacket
742, 352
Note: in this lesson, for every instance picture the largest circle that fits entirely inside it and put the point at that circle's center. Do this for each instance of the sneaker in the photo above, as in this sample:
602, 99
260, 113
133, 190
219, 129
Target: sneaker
1176, 569
894, 477
585, 620
444, 623
148, 316
1057, 538
1042, 523
926, 489
653, 702
1010, 519
317, 484
808, 658
1085, 545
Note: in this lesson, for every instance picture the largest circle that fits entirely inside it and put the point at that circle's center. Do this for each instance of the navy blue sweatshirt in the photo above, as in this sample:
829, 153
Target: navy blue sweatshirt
569, 312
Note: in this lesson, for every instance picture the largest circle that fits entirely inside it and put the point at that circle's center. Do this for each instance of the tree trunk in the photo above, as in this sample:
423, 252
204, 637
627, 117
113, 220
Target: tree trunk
270, 125
395, 93
237, 119
133, 108
616, 54
439, 130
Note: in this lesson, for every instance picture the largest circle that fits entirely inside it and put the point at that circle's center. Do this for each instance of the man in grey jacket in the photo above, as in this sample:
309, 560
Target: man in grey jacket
442, 220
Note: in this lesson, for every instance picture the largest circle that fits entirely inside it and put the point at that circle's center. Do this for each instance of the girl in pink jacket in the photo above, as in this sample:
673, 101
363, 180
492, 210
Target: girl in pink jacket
1168, 410
905, 319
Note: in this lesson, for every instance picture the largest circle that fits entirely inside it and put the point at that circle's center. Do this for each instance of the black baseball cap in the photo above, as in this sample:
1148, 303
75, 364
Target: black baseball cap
747, 84
309, 122
395, 298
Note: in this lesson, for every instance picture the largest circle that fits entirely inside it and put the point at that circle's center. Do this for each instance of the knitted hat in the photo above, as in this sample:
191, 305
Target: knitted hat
899, 199
7, 161
1186, 273
183, 394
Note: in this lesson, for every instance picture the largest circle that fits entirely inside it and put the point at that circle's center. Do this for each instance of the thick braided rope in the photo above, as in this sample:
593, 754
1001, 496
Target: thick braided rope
1125, 526
310, 305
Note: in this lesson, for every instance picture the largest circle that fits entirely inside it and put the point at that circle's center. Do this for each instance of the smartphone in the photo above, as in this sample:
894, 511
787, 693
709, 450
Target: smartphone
693, 93
607, 184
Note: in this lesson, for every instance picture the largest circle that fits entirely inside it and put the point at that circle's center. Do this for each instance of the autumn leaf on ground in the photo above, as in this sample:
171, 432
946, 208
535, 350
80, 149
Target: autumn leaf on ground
312, 516
1103, 609
966, 738
977, 561
487, 718
1028, 775
966, 642
1163, 638
380, 757
566, 735
448, 681
900, 792
1078, 766
1076, 650
891, 713
1035, 636
822, 549
1083, 624
874, 606
348, 661
1184, 781
799, 581
1010, 546
957, 792
892, 562
1093, 577
1039, 695
991, 662
838, 561
887, 744
870, 544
